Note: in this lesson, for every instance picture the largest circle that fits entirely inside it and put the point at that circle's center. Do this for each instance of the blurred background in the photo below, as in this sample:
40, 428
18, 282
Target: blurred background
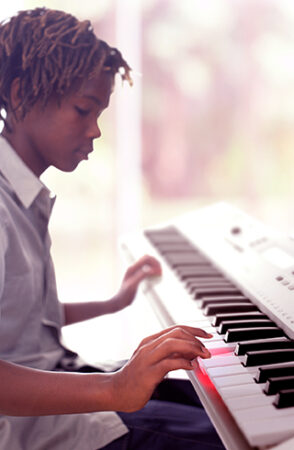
210, 117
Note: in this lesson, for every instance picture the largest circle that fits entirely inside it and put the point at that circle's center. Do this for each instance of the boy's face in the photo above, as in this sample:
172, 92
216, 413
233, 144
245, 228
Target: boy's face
62, 134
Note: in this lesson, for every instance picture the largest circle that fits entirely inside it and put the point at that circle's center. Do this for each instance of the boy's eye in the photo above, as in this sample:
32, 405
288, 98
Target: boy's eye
81, 111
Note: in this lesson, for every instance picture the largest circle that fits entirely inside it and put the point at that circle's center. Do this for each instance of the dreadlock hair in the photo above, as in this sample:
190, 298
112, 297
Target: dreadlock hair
50, 50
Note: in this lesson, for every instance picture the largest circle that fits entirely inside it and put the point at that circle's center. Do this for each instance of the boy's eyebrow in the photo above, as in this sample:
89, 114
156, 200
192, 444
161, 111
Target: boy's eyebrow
95, 99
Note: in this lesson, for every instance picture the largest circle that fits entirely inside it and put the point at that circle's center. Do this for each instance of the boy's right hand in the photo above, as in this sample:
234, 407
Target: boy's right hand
171, 349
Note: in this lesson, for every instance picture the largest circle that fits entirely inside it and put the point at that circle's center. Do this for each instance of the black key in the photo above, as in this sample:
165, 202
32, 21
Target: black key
246, 334
200, 275
176, 247
229, 307
196, 270
274, 385
226, 325
275, 370
215, 291
284, 398
191, 268
238, 316
263, 357
206, 281
268, 344
170, 229
205, 301
183, 259
170, 238
207, 285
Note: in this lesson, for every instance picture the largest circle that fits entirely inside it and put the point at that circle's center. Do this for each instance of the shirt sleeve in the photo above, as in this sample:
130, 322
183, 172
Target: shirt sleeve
3, 248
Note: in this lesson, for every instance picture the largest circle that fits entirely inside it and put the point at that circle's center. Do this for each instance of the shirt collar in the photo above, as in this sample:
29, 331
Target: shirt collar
23, 181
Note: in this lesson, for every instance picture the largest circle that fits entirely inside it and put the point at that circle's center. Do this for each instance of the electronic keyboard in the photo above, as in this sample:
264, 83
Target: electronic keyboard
229, 274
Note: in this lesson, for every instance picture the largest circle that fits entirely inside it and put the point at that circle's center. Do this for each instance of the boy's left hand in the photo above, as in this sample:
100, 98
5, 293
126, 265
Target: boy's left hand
145, 267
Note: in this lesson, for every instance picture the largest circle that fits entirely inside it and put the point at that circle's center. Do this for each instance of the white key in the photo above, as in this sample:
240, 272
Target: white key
198, 323
250, 401
220, 344
264, 412
240, 391
230, 370
268, 431
220, 361
233, 380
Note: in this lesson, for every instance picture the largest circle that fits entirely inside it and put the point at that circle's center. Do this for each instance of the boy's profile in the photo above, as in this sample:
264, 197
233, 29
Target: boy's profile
56, 78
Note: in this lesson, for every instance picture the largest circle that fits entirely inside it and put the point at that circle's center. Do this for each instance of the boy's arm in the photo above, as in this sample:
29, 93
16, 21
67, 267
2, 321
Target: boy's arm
32, 392
147, 266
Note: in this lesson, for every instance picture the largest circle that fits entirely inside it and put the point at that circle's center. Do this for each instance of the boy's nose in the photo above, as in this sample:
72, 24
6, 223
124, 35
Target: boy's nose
94, 131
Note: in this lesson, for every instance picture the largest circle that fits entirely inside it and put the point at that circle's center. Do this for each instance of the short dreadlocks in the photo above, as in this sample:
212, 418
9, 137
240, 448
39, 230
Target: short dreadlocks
50, 50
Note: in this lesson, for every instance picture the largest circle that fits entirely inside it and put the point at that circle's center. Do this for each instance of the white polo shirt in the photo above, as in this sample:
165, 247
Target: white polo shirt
31, 316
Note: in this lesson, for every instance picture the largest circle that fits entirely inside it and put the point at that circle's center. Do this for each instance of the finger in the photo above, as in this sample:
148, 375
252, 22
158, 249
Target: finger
172, 346
147, 264
141, 274
179, 331
171, 364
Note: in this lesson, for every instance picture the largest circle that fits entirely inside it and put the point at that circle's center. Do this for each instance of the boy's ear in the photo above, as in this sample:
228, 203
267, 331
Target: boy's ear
15, 95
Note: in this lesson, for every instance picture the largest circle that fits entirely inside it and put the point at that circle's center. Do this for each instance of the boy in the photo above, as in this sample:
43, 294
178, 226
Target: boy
56, 78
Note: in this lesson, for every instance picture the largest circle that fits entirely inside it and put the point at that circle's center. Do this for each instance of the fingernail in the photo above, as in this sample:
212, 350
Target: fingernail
205, 351
194, 363
209, 335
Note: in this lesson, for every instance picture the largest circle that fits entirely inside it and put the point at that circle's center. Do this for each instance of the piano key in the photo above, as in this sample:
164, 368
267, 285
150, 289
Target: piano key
274, 370
221, 371
178, 260
220, 344
274, 385
284, 398
194, 287
216, 292
268, 357
158, 238
219, 361
205, 301
201, 275
238, 316
228, 307
232, 380
261, 344
197, 271
264, 411
267, 431
207, 281
166, 248
249, 401
244, 334
240, 391
226, 325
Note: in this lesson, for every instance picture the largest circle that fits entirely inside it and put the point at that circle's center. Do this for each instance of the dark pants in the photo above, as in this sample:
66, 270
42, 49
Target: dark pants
165, 424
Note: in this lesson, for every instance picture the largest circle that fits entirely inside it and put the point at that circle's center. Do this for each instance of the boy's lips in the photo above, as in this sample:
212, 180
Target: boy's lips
84, 153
